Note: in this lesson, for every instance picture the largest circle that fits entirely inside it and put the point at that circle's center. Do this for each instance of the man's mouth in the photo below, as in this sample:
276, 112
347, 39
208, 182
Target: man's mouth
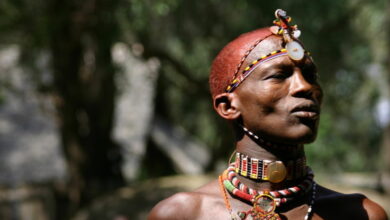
306, 111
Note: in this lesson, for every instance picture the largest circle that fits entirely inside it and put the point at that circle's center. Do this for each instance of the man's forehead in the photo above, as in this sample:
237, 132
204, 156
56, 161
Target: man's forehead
285, 61
271, 44
268, 45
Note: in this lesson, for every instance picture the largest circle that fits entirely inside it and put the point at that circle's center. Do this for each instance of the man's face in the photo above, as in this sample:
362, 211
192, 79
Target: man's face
281, 98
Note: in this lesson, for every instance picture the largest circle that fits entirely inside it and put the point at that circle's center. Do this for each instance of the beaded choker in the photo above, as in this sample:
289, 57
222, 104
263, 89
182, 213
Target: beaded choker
264, 202
268, 170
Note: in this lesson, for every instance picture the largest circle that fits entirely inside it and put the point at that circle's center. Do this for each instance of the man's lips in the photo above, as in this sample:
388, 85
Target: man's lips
310, 111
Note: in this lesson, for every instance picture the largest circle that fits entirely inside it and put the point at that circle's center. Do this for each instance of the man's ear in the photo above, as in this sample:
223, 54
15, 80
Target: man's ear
226, 104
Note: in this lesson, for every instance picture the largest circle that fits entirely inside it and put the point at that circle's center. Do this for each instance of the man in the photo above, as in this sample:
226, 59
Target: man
265, 84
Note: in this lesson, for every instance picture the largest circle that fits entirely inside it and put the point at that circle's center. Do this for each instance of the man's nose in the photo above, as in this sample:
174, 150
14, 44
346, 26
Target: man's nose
299, 86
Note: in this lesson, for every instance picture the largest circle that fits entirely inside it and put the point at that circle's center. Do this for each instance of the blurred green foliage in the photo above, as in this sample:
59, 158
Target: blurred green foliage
344, 36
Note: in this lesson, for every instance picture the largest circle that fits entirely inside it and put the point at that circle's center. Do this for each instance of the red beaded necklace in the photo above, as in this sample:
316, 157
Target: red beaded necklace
234, 186
264, 202
263, 207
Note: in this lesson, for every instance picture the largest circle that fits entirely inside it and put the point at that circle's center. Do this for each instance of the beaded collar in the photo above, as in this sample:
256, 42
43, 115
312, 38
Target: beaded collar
268, 170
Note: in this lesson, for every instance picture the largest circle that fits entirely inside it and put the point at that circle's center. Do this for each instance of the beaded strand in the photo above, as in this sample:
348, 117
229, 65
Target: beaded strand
264, 142
248, 70
313, 197
224, 193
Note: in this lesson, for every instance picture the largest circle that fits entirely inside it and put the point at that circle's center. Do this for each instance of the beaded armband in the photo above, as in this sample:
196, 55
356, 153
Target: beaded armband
268, 170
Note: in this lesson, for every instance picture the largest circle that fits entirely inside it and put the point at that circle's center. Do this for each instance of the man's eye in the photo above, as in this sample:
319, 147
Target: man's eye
277, 76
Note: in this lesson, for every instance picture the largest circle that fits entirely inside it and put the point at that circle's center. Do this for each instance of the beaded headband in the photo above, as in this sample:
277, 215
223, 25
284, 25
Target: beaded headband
293, 48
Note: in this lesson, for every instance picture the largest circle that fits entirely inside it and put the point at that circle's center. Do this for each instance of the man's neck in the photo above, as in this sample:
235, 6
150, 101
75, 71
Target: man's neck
253, 149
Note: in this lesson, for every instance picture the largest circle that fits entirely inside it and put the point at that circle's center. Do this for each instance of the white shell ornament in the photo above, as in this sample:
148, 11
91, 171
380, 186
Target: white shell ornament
295, 50
296, 33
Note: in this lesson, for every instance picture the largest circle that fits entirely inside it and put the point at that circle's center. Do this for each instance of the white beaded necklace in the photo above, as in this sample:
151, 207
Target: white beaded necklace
263, 141
313, 197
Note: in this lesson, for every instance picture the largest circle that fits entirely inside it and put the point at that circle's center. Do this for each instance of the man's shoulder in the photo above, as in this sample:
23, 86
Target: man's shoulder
374, 210
177, 206
184, 205
351, 206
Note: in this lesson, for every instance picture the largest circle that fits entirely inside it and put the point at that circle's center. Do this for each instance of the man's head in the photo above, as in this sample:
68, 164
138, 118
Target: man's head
279, 99
229, 60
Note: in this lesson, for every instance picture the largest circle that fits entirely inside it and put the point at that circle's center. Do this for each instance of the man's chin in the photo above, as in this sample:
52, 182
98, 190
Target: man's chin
304, 137
309, 140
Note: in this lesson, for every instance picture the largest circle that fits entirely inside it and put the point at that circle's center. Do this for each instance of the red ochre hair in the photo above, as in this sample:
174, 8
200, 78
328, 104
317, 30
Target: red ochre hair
229, 60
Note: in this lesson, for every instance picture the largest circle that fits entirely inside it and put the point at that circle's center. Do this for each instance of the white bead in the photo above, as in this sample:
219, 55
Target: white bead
281, 12
297, 33
295, 50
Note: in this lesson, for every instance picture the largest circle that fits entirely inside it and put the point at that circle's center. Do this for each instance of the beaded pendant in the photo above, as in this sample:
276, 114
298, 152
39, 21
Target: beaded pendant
264, 207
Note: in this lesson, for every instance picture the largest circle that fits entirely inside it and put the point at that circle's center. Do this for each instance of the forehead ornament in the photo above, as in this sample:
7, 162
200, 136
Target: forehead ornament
293, 48
290, 33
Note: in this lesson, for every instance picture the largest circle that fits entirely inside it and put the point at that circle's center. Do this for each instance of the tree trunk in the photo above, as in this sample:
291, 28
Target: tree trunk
80, 43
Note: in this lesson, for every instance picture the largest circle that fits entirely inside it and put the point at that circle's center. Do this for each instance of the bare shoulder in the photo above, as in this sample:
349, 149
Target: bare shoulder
374, 211
172, 207
331, 204
184, 205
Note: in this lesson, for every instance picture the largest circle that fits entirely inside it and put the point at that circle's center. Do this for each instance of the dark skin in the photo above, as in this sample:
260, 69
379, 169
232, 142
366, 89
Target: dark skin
281, 101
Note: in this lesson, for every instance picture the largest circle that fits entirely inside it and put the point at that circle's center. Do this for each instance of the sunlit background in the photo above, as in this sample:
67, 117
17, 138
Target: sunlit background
105, 107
